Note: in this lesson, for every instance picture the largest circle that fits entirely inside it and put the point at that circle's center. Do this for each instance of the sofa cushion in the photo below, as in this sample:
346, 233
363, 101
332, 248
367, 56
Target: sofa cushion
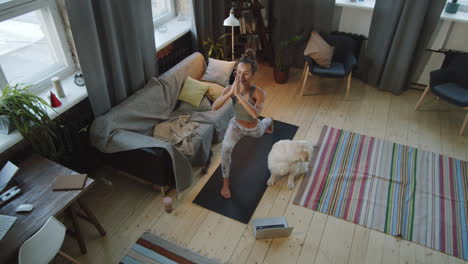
193, 91
218, 71
214, 91
187, 108
319, 50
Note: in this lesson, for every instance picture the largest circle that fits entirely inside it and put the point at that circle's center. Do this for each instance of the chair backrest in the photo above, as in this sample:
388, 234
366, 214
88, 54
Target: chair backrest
44, 244
455, 59
458, 62
344, 43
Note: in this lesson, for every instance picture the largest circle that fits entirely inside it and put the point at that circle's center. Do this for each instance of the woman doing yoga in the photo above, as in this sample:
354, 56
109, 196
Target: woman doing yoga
248, 103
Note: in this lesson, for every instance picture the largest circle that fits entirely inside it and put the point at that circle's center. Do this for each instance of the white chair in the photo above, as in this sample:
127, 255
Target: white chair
44, 245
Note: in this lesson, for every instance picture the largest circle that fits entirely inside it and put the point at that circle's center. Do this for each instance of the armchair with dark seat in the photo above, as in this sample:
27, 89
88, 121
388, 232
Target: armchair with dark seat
450, 82
346, 52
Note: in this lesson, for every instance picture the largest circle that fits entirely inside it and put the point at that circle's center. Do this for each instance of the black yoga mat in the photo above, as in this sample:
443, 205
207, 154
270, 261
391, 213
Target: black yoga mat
249, 174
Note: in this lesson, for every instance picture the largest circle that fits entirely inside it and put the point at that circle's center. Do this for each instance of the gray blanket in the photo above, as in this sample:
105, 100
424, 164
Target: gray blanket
129, 126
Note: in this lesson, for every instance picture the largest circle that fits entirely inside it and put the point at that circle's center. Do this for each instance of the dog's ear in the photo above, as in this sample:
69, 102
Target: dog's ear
305, 156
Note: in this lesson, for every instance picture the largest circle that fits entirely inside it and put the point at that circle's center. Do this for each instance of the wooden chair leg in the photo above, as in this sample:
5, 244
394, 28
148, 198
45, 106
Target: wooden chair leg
92, 218
305, 79
348, 85
76, 229
304, 71
67, 257
465, 123
421, 98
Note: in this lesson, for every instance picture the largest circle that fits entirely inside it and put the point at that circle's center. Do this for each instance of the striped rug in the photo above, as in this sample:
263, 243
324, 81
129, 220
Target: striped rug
418, 195
152, 249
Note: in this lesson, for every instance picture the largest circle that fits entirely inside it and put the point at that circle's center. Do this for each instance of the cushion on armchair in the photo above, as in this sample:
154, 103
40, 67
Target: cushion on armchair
319, 50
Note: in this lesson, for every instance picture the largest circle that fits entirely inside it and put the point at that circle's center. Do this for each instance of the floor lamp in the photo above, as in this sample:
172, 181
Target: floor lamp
232, 22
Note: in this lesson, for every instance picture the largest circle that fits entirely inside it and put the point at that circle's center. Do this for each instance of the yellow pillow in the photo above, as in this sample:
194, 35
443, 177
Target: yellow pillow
214, 91
193, 91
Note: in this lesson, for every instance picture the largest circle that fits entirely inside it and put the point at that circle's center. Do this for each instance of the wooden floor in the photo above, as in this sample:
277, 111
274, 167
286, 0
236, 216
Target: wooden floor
127, 208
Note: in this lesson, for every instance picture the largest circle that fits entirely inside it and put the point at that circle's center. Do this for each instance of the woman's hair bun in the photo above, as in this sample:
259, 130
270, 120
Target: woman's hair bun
249, 53
249, 57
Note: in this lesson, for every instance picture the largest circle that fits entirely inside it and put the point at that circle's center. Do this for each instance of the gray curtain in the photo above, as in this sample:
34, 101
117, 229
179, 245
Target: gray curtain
208, 16
115, 44
294, 17
399, 33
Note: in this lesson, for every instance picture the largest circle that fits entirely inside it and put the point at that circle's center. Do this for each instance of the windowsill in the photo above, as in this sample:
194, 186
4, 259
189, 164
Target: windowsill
174, 30
367, 5
73, 95
460, 16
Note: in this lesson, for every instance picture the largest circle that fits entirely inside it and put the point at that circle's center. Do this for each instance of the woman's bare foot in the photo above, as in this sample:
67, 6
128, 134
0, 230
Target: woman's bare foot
269, 130
225, 190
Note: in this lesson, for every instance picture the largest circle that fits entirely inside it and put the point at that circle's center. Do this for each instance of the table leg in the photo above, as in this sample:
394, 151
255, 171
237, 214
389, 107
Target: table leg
77, 230
92, 218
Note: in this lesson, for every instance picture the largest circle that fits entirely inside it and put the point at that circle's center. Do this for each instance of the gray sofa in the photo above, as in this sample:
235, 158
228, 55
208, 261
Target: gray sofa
152, 162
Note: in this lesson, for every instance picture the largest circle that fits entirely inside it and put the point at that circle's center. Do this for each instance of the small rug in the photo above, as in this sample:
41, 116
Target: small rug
249, 174
418, 195
152, 249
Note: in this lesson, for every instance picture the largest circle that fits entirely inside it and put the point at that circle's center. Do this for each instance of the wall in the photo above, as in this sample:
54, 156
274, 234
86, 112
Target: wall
451, 35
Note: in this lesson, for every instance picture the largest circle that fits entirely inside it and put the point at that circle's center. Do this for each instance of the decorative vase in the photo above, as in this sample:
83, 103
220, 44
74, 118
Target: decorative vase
451, 7
280, 75
6, 126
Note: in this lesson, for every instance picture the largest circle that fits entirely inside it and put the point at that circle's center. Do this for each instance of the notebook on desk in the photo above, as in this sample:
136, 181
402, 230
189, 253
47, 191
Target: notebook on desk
69, 182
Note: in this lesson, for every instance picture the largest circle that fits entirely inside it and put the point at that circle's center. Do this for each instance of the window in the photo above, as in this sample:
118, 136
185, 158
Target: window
33, 47
163, 10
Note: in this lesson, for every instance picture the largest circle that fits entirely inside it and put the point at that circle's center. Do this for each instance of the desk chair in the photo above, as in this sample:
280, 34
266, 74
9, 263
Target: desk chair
450, 82
44, 245
347, 49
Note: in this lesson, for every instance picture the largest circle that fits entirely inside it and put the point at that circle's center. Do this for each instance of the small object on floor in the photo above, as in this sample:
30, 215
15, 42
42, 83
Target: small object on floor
54, 101
24, 208
168, 204
106, 181
271, 227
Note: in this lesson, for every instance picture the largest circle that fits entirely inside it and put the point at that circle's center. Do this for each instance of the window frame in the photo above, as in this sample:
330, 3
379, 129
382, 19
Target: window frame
56, 33
168, 16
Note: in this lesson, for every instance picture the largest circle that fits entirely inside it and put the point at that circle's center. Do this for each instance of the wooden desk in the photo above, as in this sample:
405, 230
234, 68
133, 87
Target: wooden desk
38, 174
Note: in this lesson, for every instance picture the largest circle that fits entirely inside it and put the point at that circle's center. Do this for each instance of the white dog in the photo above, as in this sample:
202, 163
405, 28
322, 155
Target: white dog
290, 158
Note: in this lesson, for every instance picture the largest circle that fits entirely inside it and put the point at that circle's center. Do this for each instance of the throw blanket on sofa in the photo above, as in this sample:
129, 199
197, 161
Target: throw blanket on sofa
178, 131
129, 125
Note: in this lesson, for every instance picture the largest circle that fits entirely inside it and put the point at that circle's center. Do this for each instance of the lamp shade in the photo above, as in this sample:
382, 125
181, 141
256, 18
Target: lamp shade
231, 21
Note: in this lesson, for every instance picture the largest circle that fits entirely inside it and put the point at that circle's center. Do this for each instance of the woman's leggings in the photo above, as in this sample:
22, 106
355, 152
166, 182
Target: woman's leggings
233, 134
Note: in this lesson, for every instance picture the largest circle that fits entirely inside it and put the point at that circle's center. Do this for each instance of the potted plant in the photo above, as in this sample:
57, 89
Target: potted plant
452, 7
28, 113
215, 47
283, 59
